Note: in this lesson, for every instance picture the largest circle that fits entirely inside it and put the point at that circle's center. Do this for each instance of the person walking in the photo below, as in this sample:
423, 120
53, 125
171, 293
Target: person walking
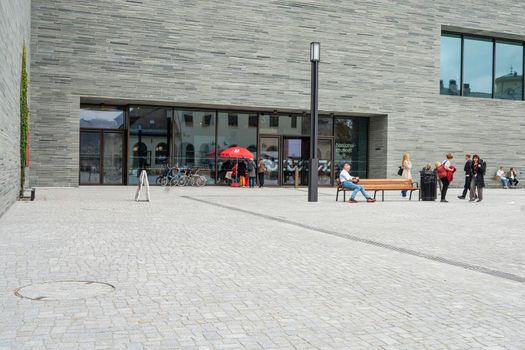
251, 173
261, 171
467, 168
406, 165
479, 168
444, 172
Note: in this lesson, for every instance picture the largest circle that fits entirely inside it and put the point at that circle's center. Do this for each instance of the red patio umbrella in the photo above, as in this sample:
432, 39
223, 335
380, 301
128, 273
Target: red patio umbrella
236, 152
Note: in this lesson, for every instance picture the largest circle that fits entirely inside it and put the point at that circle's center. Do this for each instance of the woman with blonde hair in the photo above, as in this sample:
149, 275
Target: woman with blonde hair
406, 165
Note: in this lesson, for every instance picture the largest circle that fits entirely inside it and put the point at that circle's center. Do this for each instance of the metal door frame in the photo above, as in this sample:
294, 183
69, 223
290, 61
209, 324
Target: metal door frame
101, 133
279, 154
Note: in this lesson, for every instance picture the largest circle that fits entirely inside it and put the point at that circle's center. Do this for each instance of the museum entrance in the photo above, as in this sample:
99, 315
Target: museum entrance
102, 144
287, 155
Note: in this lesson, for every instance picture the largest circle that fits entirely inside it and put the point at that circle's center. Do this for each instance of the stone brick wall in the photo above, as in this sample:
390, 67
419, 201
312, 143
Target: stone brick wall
14, 31
378, 57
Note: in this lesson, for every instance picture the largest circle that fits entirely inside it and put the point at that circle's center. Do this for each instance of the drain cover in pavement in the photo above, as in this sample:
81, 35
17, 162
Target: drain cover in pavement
64, 290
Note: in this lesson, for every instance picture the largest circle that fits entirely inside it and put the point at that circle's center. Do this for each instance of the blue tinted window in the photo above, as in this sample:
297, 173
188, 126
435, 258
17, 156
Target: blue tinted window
477, 67
450, 64
509, 70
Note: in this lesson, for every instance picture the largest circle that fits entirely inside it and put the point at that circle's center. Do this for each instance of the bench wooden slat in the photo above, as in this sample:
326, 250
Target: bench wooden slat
381, 185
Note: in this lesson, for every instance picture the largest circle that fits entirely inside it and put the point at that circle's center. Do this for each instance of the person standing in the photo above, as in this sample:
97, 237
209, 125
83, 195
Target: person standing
251, 173
261, 171
406, 165
479, 167
241, 172
468, 178
443, 172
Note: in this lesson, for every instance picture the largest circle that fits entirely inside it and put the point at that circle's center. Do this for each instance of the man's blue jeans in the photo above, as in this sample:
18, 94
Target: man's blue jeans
504, 181
356, 188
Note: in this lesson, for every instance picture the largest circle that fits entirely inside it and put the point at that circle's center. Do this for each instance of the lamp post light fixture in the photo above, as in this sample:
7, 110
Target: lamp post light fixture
313, 173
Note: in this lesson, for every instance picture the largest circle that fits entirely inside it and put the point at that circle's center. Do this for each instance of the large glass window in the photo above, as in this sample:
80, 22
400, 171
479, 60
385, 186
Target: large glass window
449, 79
509, 70
481, 74
194, 143
477, 67
351, 142
149, 140
234, 129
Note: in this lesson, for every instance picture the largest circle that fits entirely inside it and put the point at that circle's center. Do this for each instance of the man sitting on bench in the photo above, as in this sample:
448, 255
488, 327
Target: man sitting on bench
351, 183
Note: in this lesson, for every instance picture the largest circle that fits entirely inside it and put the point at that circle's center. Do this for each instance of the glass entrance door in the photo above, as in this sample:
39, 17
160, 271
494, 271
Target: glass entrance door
296, 152
90, 157
324, 154
113, 164
269, 149
101, 158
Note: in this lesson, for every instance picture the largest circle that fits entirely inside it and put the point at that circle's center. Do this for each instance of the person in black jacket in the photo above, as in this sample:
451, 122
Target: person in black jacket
467, 168
241, 173
477, 173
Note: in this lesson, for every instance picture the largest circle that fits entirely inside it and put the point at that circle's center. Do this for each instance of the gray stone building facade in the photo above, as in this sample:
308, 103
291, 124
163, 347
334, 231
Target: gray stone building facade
379, 60
14, 33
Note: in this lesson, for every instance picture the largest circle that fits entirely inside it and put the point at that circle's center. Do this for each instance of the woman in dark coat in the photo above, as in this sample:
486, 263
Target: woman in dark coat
241, 172
477, 174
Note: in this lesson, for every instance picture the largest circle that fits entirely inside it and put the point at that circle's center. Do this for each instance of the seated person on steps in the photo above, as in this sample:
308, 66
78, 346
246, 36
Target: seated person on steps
350, 182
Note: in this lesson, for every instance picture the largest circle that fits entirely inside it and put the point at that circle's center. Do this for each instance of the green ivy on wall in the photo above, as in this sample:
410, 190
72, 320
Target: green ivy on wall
24, 121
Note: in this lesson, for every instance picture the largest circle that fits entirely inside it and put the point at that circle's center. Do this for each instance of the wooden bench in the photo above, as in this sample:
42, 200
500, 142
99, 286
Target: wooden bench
382, 185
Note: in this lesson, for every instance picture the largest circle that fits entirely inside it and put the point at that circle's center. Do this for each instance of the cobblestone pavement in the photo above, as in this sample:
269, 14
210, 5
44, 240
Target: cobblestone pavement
222, 268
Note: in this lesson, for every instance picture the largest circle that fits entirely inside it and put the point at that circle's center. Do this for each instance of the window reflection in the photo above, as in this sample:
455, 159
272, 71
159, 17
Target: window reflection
194, 143
509, 70
149, 140
285, 124
234, 129
351, 139
450, 64
477, 67
102, 118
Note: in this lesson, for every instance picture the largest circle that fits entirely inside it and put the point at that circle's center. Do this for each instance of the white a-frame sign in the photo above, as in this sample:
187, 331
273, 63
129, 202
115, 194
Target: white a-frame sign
143, 182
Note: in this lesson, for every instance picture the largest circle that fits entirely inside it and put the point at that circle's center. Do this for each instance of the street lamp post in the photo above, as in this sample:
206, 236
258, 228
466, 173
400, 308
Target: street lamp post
313, 173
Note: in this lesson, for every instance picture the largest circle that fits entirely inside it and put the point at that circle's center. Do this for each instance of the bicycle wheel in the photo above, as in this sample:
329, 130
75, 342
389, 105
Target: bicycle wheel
182, 180
165, 181
195, 180
201, 181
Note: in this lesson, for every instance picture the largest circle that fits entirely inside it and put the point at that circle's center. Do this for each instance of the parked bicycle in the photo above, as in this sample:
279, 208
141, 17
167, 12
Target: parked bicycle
165, 177
188, 177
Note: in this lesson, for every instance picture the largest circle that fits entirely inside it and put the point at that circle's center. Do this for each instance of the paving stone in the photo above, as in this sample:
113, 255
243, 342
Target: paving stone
193, 274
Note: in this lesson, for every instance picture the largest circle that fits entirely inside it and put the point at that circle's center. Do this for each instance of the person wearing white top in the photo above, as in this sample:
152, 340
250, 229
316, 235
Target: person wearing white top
406, 165
504, 180
351, 182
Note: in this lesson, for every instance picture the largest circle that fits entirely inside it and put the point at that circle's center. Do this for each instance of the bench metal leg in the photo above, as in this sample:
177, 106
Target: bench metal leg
344, 196
375, 192
337, 195
383, 196
410, 197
